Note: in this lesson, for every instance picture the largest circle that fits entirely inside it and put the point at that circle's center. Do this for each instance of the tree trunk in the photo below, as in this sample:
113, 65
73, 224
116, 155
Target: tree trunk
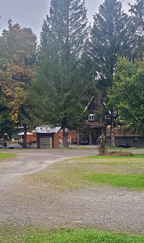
112, 130
65, 135
78, 137
25, 136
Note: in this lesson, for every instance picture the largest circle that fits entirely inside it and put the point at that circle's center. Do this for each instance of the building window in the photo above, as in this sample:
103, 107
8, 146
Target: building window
135, 139
91, 117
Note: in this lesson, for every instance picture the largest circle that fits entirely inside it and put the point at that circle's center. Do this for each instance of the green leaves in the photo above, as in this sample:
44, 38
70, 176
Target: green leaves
127, 93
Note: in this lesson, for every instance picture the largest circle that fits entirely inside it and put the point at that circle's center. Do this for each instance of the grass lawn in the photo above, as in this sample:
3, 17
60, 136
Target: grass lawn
120, 148
111, 157
6, 156
128, 180
72, 174
33, 235
135, 178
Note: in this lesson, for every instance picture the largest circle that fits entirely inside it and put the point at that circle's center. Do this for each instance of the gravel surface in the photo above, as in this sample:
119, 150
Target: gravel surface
116, 209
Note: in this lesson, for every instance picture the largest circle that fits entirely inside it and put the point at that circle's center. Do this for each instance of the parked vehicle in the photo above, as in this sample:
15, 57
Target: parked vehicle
84, 142
124, 145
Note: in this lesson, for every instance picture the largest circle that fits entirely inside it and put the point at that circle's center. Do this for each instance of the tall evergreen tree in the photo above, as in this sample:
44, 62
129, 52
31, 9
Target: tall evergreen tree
109, 39
137, 23
65, 28
64, 33
137, 12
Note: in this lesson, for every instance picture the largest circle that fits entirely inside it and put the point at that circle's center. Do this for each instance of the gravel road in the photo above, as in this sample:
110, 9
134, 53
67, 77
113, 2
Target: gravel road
30, 161
101, 207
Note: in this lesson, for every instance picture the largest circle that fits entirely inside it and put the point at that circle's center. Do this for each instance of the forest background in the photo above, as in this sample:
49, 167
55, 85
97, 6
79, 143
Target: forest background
51, 83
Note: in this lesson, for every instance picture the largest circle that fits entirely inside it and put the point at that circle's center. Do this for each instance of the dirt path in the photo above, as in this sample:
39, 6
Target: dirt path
101, 207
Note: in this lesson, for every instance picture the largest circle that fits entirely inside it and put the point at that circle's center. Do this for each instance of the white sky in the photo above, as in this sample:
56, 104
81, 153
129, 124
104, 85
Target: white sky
31, 13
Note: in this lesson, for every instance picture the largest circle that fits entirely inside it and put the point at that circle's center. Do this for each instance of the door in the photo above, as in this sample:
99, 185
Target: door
46, 143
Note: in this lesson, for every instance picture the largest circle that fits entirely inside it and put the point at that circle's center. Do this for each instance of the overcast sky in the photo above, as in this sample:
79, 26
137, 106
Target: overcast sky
31, 13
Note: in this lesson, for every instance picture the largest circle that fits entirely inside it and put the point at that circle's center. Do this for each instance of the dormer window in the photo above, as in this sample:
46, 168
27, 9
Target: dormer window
91, 117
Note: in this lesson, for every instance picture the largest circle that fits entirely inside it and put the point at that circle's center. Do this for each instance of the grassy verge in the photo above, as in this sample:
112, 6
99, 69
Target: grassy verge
6, 156
33, 235
115, 157
77, 173
86, 147
83, 147
120, 148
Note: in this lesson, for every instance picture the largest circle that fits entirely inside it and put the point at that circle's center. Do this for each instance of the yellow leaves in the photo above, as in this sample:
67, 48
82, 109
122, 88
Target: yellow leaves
18, 46
14, 116
9, 94
14, 97
123, 104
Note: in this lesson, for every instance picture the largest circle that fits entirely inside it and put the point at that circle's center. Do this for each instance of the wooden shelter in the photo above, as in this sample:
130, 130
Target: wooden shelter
47, 137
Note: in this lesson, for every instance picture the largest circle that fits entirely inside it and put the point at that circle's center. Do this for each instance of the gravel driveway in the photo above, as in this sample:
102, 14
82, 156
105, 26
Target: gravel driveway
101, 207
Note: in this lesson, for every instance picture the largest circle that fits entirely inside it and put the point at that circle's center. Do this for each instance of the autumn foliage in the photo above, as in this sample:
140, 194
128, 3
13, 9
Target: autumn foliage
17, 56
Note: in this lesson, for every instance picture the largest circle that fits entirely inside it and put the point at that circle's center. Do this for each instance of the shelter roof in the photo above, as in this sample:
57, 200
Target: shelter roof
46, 129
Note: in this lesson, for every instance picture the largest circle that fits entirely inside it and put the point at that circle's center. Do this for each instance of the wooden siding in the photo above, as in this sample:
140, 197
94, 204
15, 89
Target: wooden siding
31, 138
56, 140
72, 137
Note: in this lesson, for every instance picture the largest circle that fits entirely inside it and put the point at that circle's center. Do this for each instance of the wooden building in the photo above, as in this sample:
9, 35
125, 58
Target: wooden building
121, 136
91, 131
72, 137
47, 137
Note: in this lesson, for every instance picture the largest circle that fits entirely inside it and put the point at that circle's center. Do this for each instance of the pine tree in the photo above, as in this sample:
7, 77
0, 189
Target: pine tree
109, 39
137, 12
64, 33
137, 23
65, 29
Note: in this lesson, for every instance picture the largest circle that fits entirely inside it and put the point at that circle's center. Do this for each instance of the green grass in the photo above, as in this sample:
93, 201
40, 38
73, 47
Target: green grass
120, 148
119, 171
6, 156
86, 147
128, 180
114, 157
33, 235
71, 174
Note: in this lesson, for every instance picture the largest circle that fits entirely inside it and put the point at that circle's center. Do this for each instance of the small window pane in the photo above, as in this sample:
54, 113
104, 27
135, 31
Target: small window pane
135, 139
